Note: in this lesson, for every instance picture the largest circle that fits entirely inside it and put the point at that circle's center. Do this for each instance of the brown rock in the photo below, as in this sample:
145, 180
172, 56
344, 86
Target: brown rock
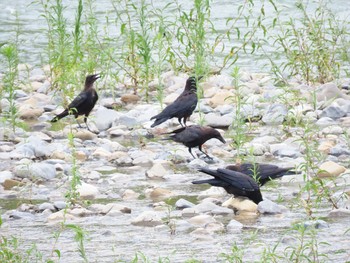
329, 169
221, 98
10, 183
130, 98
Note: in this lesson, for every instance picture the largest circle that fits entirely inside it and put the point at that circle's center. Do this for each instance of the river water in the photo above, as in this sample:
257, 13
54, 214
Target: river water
33, 39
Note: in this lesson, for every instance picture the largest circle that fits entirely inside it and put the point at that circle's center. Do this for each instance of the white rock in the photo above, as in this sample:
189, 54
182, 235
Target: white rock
157, 171
147, 218
4, 175
201, 220
87, 191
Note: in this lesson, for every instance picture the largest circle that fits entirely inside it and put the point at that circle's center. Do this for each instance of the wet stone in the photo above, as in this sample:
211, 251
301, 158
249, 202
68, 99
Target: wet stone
45, 206
21, 215
60, 205
183, 203
201, 234
268, 207
148, 219
317, 224
341, 212
234, 226
201, 220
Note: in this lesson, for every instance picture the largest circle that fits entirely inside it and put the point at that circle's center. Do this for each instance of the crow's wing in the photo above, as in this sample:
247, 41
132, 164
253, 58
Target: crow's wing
187, 135
185, 103
238, 180
78, 101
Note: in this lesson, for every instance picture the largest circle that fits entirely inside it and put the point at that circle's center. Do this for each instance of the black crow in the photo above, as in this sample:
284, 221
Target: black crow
233, 182
195, 135
182, 107
83, 103
262, 173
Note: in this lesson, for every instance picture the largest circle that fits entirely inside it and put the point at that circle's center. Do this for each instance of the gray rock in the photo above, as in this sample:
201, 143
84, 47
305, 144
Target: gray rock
225, 109
269, 207
217, 121
60, 205
34, 147
127, 121
275, 114
20, 94
234, 226
325, 121
209, 207
317, 224
36, 170
4, 175
284, 150
339, 150
341, 212
104, 118
329, 91
48, 206
21, 215
183, 203
204, 108
333, 112
43, 170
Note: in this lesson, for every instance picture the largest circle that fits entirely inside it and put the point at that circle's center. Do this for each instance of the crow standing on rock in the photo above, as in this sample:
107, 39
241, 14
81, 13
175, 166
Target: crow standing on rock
195, 136
183, 107
83, 103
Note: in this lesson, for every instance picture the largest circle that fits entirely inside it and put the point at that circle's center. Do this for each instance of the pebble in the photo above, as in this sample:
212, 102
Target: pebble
341, 212
157, 171
330, 169
275, 114
268, 207
87, 191
183, 203
148, 219
201, 220
240, 204
234, 226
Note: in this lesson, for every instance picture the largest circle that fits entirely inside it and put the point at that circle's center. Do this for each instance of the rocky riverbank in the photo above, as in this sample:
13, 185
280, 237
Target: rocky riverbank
140, 186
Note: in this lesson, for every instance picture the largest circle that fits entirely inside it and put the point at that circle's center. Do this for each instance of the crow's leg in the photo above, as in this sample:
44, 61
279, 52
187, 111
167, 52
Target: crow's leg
85, 120
200, 148
76, 119
179, 119
185, 119
190, 150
